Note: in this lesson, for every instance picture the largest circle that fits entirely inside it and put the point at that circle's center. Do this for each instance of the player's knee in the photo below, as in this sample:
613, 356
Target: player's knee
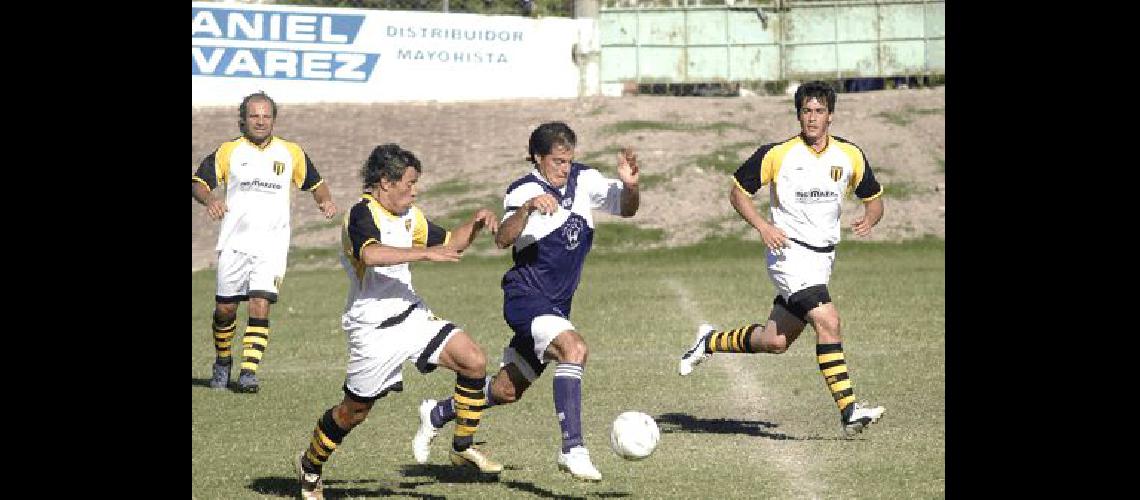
504, 391
575, 351
827, 328
224, 314
474, 364
775, 345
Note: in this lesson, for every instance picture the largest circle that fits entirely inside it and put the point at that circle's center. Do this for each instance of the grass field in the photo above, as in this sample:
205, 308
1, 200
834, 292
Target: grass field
761, 426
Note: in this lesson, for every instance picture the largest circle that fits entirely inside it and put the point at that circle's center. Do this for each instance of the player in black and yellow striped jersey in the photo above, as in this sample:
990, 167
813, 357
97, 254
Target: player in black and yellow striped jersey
387, 323
253, 242
808, 176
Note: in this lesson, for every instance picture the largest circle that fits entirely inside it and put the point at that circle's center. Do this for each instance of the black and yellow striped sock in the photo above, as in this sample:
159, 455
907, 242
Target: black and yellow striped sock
254, 342
326, 437
469, 403
223, 339
738, 340
834, 369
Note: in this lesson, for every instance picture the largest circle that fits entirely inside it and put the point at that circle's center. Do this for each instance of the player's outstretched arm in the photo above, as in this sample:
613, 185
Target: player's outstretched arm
872, 214
377, 254
629, 171
464, 235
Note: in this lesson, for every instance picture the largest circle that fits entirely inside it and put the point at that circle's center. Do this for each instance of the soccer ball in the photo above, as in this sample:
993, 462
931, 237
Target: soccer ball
634, 435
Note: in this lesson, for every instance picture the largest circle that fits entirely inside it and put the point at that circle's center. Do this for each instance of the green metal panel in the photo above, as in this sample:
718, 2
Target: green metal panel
801, 40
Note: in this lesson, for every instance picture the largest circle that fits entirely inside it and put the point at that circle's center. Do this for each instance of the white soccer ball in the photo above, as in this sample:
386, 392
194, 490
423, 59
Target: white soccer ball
634, 435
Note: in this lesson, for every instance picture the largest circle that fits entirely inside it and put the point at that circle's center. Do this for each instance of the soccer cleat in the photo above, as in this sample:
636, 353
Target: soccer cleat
247, 382
577, 463
860, 417
421, 444
473, 456
312, 486
695, 355
221, 378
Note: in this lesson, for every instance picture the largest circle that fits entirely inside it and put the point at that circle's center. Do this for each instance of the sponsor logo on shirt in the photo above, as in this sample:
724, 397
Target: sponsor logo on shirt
816, 196
259, 185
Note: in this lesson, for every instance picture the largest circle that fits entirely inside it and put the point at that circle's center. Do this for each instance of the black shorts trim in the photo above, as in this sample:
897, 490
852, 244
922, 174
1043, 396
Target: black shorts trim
236, 299
399, 318
397, 387
422, 364
826, 249
233, 299
803, 301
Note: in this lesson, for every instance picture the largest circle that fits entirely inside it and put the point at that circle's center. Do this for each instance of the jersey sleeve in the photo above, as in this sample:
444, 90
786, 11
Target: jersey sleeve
361, 229
305, 175
866, 187
519, 195
427, 234
756, 171
605, 193
207, 172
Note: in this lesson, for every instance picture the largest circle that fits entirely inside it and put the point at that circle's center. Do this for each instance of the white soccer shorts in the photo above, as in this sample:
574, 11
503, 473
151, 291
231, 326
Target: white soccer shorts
376, 355
239, 273
797, 268
543, 330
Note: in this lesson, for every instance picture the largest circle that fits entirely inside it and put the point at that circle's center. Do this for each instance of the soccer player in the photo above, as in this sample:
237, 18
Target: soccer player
808, 175
253, 243
549, 221
387, 323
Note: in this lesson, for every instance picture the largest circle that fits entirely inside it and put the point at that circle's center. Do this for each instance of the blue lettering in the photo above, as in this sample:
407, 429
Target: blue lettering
244, 62
233, 24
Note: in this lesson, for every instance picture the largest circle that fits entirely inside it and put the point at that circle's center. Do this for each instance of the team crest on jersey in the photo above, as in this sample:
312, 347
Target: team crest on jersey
572, 231
836, 173
278, 167
567, 202
408, 225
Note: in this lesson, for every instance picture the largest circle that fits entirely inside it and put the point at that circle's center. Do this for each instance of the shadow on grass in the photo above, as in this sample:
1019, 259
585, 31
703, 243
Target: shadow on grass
199, 382
681, 422
336, 488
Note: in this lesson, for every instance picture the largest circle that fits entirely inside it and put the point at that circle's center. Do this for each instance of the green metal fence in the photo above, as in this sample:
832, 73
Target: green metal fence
694, 41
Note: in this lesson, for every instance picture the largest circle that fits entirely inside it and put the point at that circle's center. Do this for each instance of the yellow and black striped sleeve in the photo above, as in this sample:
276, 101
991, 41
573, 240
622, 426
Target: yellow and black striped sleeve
751, 176
427, 233
361, 228
305, 175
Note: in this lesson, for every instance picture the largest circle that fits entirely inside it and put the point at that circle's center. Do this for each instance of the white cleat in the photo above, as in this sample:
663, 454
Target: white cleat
474, 457
421, 444
696, 354
312, 486
577, 463
861, 417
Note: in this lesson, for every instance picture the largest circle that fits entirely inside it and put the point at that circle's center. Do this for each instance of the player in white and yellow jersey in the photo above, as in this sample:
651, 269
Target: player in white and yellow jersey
256, 170
387, 323
808, 177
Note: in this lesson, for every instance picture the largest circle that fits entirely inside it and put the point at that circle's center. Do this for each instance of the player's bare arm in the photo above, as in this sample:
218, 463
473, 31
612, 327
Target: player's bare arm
378, 254
872, 214
323, 197
628, 171
774, 237
464, 235
511, 228
215, 207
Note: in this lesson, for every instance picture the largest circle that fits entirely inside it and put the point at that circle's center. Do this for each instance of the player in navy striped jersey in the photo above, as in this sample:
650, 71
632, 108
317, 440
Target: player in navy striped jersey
808, 176
549, 222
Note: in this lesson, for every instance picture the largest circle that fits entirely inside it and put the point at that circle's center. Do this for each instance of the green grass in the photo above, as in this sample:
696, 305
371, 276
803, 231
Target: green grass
941, 164
723, 159
448, 187
903, 190
628, 126
759, 426
903, 117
